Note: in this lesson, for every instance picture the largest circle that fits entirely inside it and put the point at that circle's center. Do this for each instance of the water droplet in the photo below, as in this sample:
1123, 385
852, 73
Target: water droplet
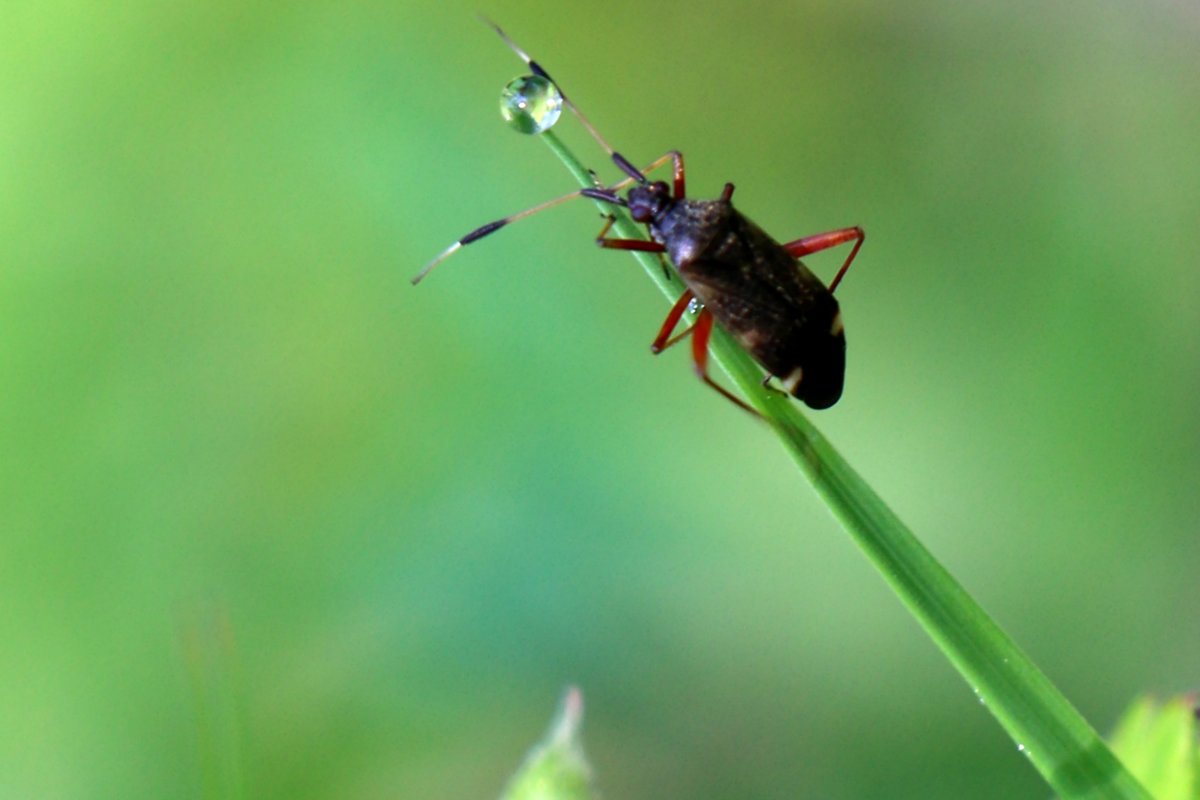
531, 104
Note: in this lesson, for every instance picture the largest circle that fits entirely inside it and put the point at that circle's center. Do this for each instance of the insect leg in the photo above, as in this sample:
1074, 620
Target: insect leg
701, 332
626, 244
661, 341
632, 244
823, 241
677, 157
639, 175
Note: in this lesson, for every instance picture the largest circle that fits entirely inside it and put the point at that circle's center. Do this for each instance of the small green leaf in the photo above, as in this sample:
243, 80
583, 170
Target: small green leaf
1158, 745
556, 768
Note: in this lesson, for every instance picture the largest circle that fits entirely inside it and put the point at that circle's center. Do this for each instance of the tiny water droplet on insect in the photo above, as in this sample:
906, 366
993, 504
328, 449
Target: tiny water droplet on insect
531, 104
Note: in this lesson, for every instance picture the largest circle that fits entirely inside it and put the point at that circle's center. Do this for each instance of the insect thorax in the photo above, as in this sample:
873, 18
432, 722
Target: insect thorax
689, 227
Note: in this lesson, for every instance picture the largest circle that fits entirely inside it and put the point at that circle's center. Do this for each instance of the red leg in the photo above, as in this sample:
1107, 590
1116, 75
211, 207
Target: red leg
701, 332
626, 244
680, 188
637, 175
823, 241
661, 341
631, 244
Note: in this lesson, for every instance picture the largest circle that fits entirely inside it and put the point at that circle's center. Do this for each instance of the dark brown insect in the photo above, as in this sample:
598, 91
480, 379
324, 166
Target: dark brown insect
753, 286
735, 274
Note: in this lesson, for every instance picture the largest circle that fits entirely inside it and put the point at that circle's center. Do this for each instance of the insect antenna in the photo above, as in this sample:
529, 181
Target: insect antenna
606, 195
599, 192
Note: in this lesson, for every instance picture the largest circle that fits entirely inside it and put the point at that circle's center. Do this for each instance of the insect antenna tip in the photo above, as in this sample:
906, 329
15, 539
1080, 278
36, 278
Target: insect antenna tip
429, 267
511, 44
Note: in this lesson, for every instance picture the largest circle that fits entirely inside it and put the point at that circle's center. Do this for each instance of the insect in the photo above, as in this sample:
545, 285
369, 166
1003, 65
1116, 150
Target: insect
734, 274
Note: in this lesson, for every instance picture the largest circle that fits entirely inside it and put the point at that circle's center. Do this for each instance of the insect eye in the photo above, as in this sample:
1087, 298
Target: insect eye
641, 209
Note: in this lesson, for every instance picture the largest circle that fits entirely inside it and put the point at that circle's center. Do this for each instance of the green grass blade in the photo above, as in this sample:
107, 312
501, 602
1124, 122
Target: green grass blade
206, 637
1059, 742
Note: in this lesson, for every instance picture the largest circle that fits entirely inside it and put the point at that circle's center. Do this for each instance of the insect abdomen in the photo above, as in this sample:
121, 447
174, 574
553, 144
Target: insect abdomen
807, 354
819, 370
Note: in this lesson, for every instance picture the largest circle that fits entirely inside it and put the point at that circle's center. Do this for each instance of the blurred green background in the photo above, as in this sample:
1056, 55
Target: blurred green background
278, 525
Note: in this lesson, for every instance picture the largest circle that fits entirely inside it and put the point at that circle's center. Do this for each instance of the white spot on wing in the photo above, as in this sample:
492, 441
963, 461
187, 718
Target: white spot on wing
792, 380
